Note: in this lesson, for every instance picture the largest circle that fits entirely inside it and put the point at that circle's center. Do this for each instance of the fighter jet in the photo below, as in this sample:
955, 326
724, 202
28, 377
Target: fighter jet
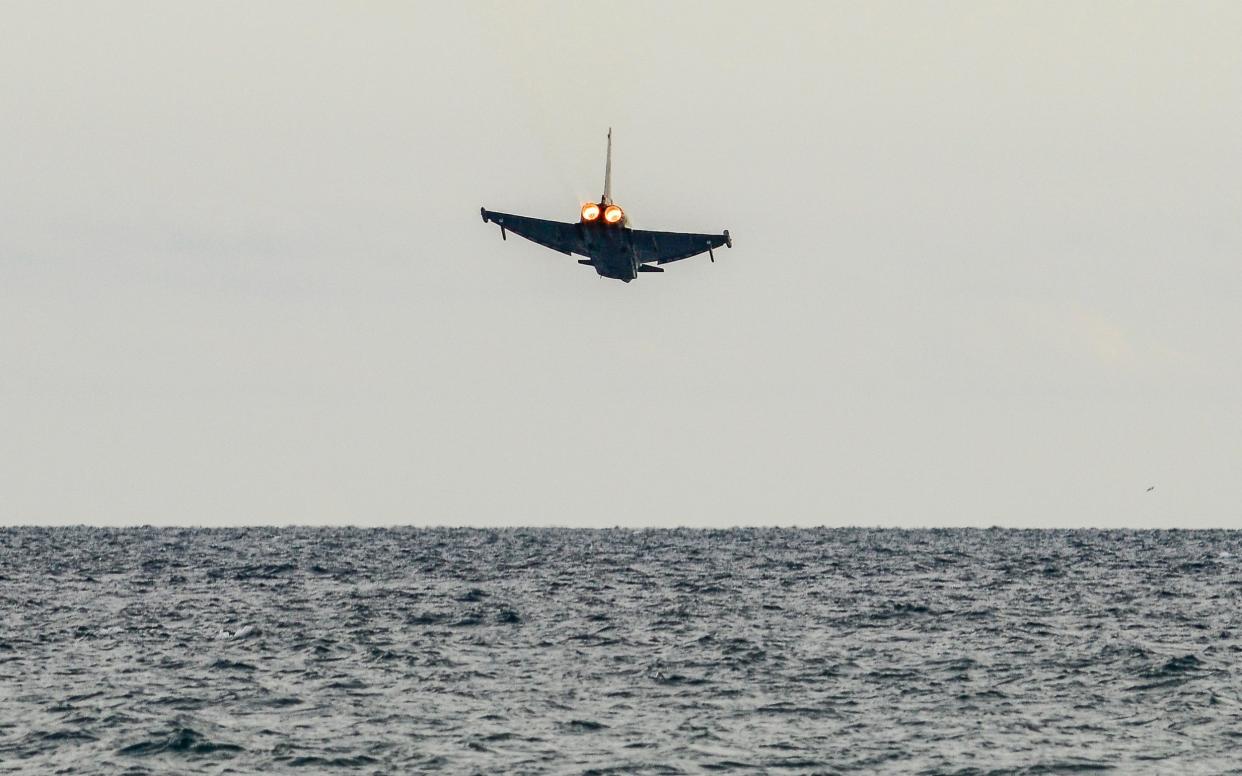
603, 235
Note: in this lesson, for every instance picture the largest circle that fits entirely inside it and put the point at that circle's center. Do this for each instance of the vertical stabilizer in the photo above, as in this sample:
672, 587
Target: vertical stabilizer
608, 172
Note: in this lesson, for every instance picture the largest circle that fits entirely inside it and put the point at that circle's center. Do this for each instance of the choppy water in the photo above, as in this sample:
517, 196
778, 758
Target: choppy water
560, 651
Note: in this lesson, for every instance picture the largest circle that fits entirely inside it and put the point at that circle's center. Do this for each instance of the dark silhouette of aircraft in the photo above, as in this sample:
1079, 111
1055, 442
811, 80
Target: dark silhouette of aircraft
603, 235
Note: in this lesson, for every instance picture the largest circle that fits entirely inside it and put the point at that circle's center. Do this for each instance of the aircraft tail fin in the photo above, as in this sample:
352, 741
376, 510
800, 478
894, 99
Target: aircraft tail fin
608, 172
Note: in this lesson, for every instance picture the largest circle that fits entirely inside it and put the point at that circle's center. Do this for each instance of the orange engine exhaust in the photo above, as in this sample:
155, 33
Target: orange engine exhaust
590, 211
613, 214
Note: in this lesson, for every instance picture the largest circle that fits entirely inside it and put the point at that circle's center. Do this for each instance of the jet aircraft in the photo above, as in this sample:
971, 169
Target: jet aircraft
603, 235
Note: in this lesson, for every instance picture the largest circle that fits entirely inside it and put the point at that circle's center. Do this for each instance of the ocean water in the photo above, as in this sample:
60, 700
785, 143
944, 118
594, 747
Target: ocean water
300, 650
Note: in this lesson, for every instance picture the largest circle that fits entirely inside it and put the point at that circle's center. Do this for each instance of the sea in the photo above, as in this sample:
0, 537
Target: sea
563, 651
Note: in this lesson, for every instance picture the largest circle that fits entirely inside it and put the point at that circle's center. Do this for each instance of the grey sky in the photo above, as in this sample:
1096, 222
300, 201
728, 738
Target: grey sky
986, 264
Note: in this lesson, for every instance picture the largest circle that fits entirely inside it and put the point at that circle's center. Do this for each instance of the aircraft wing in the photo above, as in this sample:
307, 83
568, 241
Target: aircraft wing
553, 234
663, 247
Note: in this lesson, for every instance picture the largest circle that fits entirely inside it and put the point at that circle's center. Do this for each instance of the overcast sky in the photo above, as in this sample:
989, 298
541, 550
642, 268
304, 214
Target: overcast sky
986, 266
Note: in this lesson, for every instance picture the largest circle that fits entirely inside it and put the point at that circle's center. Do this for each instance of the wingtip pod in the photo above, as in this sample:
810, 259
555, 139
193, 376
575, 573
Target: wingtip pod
728, 239
483, 213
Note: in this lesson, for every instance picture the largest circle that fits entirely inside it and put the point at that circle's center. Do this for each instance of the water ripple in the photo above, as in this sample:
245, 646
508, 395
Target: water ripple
180, 651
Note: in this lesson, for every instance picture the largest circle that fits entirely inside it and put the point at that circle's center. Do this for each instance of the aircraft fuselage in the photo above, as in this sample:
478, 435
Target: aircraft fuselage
610, 250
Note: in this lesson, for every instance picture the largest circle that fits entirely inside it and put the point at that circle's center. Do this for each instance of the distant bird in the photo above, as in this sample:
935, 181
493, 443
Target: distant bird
1151, 488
